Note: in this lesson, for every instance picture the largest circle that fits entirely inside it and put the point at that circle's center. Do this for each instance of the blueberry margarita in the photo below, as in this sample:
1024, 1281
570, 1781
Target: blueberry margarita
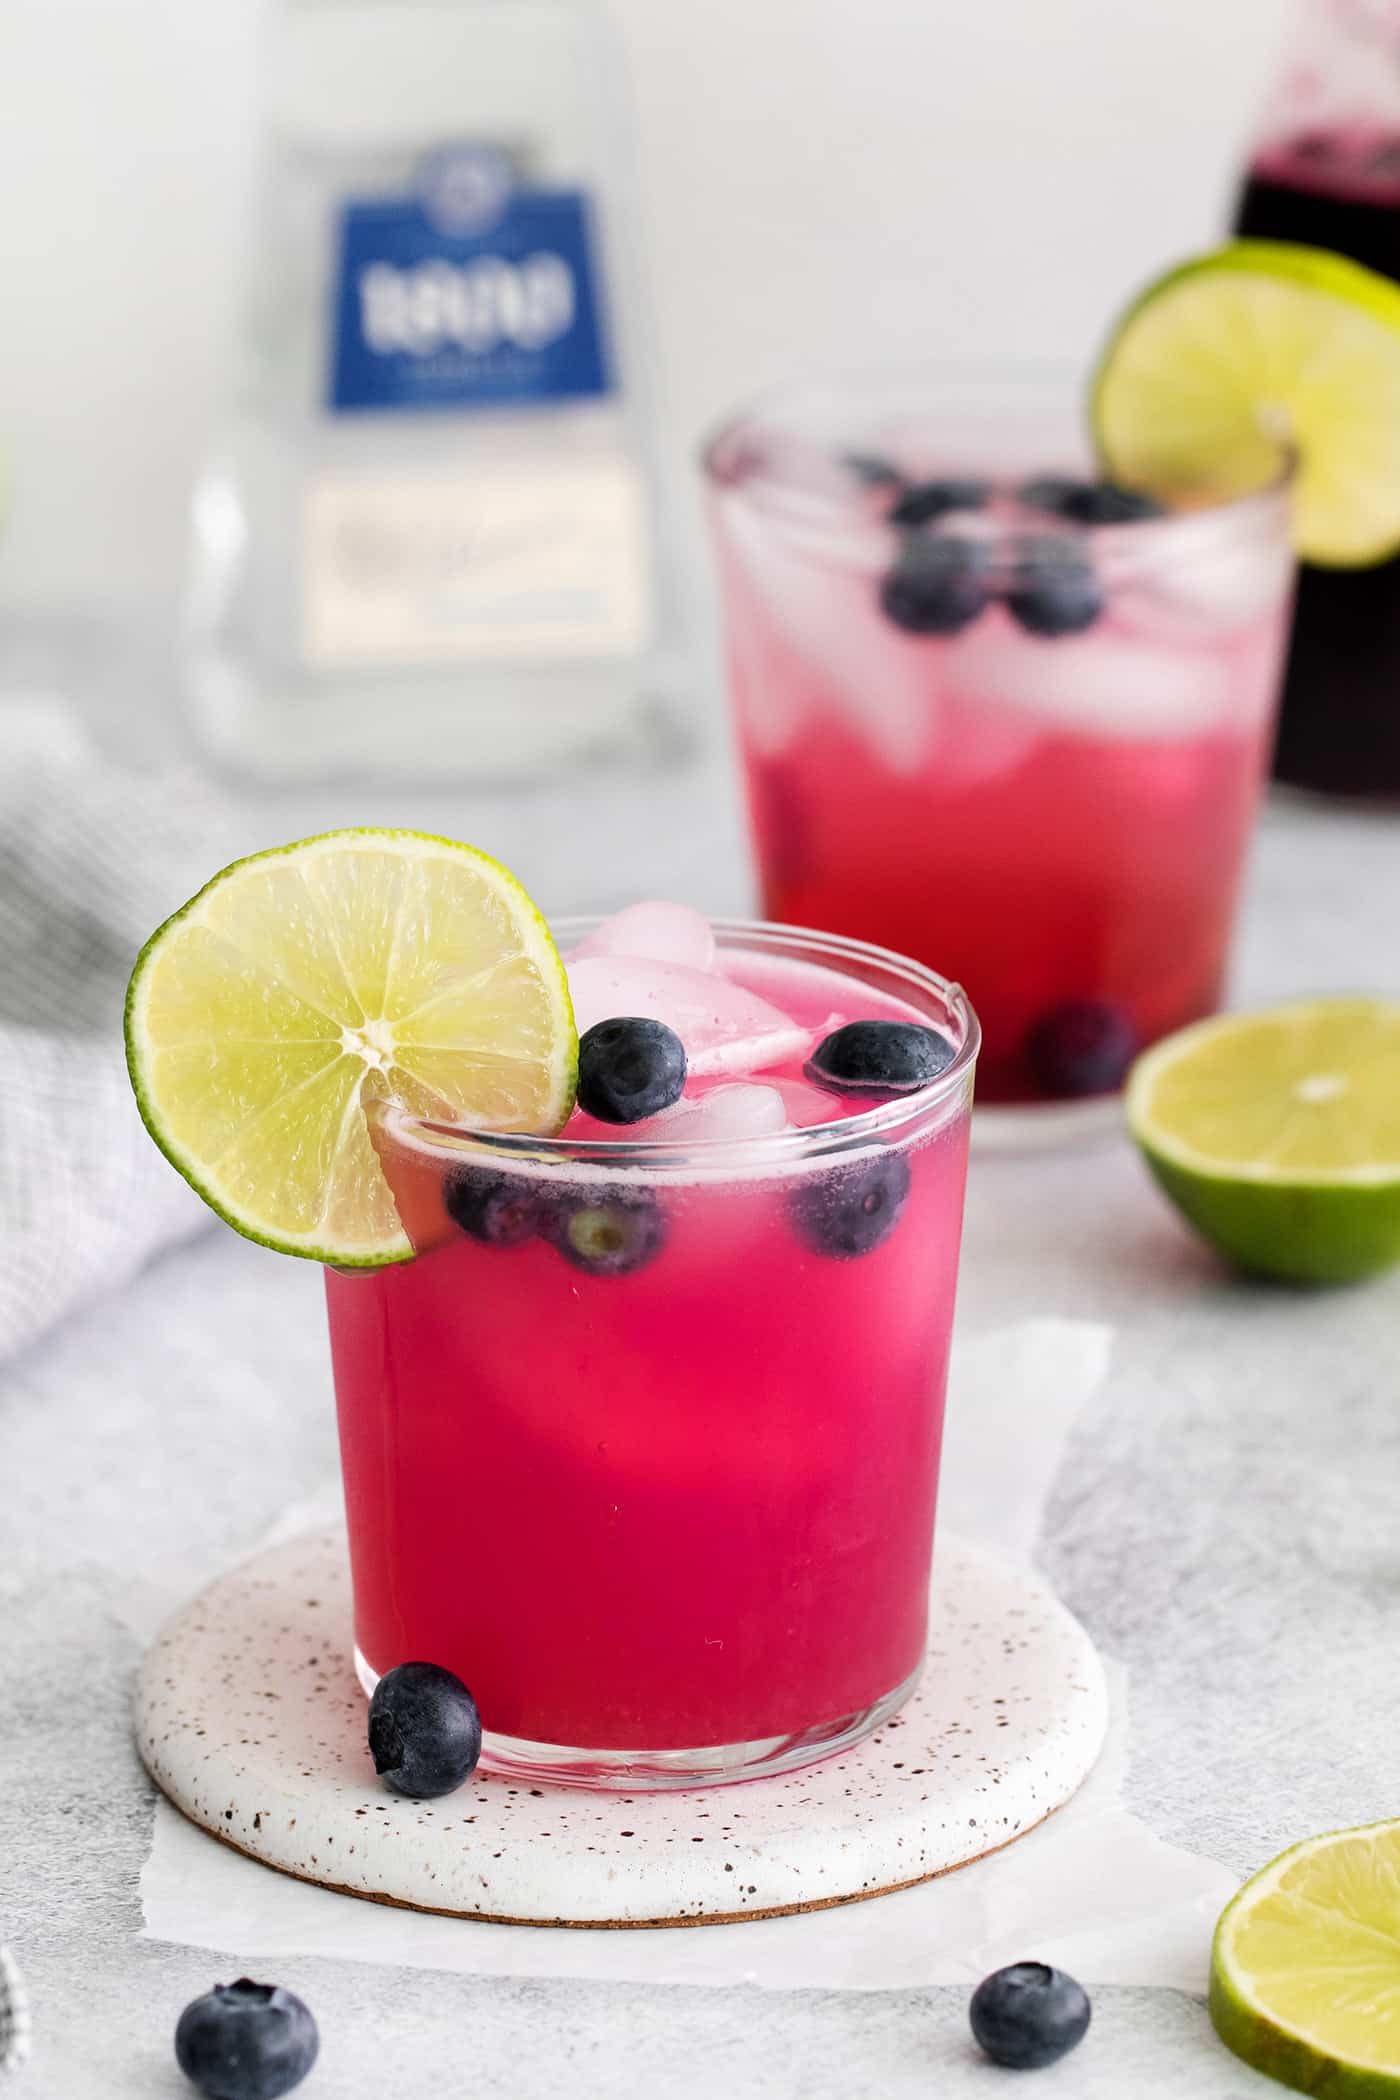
643, 1442
1004, 716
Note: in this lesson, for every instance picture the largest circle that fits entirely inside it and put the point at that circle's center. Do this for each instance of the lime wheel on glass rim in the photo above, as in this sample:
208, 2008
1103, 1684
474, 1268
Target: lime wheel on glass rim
1261, 351
302, 983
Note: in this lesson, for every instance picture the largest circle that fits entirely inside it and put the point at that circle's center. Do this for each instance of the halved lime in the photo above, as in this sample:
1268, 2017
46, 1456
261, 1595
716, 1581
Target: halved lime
303, 982
1305, 1970
1224, 362
1277, 1135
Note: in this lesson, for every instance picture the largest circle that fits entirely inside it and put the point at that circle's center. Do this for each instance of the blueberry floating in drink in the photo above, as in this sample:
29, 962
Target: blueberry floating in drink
609, 1232
629, 1069
500, 1210
938, 584
924, 502
424, 1730
879, 1058
1053, 589
1081, 1048
1029, 2015
246, 2041
853, 1209
1089, 502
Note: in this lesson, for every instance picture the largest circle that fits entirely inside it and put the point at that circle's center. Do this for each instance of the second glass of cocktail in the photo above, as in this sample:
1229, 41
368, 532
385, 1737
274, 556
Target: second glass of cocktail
643, 1443
997, 712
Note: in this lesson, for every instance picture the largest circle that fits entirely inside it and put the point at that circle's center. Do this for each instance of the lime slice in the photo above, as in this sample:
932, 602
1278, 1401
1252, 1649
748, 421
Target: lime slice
1305, 1971
1278, 1135
305, 982
1259, 346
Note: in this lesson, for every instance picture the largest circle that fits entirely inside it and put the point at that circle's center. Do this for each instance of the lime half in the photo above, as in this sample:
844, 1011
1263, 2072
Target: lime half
302, 983
1263, 347
1305, 1970
1277, 1135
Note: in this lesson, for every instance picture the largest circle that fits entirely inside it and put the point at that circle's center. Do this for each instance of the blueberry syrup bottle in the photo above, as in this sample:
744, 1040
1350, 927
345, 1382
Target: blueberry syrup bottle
1326, 172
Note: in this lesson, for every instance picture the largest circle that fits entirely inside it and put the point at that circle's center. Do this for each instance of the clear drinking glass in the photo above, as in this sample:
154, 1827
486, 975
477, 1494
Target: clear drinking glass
1027, 746
651, 1463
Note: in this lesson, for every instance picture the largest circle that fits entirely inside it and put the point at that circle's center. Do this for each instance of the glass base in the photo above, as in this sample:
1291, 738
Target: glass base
1045, 1126
654, 1771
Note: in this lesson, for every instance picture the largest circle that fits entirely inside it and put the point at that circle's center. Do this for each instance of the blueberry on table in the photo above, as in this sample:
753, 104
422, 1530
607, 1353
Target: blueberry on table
938, 584
1029, 2015
246, 2041
924, 501
610, 1232
1081, 1048
424, 1730
1053, 588
879, 1058
629, 1069
852, 1210
1089, 502
500, 1210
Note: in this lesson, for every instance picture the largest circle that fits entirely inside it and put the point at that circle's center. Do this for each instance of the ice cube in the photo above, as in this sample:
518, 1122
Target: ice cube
1101, 683
670, 933
724, 1027
734, 1111
825, 608
1216, 592
808, 1105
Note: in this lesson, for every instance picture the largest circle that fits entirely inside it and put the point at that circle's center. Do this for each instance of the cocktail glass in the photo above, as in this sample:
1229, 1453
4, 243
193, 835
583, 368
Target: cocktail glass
645, 1445
1050, 787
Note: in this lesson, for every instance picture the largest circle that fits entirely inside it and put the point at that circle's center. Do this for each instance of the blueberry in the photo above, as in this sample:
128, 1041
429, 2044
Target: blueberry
875, 471
1029, 2015
609, 1234
926, 500
1089, 502
937, 585
1082, 1047
246, 2041
498, 1209
1053, 588
629, 1069
879, 1057
424, 1730
852, 1210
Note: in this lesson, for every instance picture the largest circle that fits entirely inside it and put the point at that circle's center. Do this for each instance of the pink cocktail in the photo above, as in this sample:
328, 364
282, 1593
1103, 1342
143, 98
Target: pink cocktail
997, 715
644, 1442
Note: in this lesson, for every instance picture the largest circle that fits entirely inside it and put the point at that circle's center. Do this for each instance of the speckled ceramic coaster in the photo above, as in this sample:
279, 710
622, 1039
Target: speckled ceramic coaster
249, 1716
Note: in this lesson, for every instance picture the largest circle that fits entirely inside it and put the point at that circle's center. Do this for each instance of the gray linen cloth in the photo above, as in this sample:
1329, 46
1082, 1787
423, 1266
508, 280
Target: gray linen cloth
91, 860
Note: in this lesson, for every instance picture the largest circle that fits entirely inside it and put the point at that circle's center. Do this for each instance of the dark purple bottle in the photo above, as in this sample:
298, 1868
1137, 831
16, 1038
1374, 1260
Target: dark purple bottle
1329, 176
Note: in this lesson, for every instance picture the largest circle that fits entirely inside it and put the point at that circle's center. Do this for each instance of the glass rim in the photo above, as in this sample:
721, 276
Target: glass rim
776, 1149
862, 543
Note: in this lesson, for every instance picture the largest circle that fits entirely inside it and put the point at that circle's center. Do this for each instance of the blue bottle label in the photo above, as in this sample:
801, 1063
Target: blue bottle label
468, 293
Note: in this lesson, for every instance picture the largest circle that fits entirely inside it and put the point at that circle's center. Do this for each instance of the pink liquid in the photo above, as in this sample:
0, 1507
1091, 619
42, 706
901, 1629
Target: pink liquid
688, 1506
1059, 822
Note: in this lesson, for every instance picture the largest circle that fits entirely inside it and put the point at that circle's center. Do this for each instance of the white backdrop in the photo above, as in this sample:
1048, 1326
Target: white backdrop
823, 180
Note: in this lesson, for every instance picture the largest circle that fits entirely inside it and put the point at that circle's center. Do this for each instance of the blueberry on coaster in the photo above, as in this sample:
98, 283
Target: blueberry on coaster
608, 1233
629, 1069
1081, 1048
246, 2041
852, 1210
500, 1210
1028, 2015
924, 501
1089, 502
424, 1730
1053, 588
881, 1058
938, 584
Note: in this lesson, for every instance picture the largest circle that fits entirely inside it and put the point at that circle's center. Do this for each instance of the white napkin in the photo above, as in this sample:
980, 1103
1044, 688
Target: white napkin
91, 859
1092, 1889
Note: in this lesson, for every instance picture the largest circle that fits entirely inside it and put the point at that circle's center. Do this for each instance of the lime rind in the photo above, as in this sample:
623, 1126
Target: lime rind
1295, 2050
387, 1244
1226, 362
